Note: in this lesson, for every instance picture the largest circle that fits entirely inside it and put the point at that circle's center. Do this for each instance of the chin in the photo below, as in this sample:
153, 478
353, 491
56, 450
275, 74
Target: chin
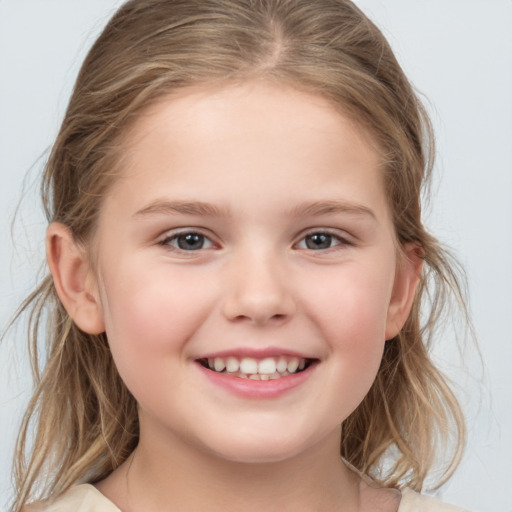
250, 455
261, 449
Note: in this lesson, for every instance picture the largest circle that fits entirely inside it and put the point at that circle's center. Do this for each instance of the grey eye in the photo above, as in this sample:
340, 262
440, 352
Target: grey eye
188, 241
318, 241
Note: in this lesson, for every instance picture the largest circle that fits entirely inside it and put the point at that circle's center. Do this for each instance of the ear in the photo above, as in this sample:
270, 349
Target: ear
407, 277
73, 279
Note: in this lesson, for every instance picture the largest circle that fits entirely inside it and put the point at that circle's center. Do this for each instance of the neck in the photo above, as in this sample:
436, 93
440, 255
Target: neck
176, 476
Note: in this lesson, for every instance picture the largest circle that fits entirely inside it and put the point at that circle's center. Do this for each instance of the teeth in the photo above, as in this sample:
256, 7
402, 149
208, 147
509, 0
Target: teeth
293, 364
232, 365
248, 365
219, 364
282, 365
268, 368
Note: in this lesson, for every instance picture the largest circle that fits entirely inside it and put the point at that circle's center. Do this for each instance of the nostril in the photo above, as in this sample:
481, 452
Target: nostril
259, 301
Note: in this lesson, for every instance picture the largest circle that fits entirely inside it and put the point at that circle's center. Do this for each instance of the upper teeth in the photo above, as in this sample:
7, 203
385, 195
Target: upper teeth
269, 366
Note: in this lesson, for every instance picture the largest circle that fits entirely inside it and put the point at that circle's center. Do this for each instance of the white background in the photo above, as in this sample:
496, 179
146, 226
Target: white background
458, 53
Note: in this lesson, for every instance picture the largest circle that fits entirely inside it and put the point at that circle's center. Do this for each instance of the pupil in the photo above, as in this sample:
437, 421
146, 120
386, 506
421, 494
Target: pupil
190, 241
318, 241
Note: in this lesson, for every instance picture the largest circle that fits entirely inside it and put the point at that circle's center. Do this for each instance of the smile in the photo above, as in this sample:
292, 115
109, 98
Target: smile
268, 368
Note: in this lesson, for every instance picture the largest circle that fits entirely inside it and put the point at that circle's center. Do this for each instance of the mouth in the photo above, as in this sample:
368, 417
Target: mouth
268, 368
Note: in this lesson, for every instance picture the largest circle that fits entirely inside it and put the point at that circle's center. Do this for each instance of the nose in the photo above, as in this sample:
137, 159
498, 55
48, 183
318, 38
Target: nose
259, 291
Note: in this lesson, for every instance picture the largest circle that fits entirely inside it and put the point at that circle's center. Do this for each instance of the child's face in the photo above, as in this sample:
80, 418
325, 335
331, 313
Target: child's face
249, 222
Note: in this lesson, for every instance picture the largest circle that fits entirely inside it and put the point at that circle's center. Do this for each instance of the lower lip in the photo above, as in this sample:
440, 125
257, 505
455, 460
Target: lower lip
258, 389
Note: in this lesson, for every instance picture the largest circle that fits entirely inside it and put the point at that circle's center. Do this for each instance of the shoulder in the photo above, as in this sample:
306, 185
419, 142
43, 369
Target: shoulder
80, 498
414, 502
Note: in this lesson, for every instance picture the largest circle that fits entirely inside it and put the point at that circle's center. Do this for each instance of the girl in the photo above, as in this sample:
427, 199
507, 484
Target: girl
237, 268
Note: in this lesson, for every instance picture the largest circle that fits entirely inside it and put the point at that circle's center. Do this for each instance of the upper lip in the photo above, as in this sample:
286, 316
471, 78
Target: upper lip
255, 353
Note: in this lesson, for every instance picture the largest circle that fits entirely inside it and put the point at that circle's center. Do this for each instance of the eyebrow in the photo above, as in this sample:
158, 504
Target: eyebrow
319, 208
197, 208
202, 209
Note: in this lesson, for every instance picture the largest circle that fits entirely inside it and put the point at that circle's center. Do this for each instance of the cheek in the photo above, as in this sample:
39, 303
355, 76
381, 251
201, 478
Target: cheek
356, 349
353, 309
352, 317
148, 316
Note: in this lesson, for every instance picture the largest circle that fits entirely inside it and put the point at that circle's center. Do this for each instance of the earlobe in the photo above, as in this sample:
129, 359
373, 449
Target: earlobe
74, 283
407, 278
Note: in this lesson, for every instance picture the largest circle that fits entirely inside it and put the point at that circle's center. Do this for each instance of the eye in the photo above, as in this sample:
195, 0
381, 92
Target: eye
321, 240
187, 241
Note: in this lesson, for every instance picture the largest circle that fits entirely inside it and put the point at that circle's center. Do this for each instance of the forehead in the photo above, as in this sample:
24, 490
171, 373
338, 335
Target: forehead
277, 105
252, 137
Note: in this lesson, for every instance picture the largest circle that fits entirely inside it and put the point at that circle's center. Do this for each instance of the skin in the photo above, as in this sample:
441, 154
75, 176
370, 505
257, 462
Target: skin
276, 166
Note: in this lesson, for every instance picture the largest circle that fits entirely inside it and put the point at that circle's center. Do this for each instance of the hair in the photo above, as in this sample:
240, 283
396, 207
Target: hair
82, 418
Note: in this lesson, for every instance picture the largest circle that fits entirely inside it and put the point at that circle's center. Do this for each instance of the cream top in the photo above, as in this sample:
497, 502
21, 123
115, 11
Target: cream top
86, 498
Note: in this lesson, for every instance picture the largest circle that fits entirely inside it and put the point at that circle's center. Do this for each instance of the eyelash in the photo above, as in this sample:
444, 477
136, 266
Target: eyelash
340, 240
169, 241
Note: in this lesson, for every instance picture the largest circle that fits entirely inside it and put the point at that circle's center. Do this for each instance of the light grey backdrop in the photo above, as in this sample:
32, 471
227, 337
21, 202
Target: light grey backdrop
457, 52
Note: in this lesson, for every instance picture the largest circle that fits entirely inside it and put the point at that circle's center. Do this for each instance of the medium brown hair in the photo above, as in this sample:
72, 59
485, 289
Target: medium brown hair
84, 419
